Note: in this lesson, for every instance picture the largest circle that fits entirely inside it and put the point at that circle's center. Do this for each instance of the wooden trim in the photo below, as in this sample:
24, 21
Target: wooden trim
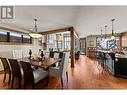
124, 33
56, 31
72, 47
120, 42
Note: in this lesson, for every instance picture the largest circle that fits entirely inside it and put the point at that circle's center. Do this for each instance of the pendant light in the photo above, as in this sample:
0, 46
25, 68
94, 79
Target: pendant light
113, 36
35, 34
101, 34
105, 31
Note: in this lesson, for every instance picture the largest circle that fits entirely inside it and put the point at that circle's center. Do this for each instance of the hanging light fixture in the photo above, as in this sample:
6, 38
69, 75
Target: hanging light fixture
101, 34
35, 33
105, 30
113, 36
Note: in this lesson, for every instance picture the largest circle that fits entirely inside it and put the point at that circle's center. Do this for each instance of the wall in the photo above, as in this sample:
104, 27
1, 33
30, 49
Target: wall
6, 50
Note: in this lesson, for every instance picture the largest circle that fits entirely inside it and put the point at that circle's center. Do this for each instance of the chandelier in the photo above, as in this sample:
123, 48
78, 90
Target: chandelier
35, 34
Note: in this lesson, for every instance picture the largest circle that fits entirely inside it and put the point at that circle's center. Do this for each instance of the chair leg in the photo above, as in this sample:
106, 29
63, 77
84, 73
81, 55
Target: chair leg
33, 85
9, 79
67, 76
4, 77
47, 80
19, 83
24, 85
62, 82
12, 81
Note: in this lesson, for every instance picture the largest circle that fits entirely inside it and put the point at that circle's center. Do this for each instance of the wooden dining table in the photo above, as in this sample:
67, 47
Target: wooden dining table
45, 63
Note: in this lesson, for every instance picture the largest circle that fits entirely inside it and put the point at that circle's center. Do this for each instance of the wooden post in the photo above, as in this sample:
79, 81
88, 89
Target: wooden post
71, 29
72, 46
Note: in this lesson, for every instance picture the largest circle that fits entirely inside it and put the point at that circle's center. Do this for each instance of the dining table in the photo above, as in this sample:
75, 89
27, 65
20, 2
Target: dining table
45, 63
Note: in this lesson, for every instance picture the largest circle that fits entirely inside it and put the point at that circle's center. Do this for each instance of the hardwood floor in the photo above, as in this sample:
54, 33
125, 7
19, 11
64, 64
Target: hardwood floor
87, 74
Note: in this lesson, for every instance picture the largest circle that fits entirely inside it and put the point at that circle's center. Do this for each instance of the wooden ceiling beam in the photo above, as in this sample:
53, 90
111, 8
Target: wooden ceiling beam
57, 30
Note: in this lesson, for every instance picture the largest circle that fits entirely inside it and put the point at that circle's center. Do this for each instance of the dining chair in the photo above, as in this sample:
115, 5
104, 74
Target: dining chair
61, 70
16, 71
51, 54
46, 54
56, 55
60, 54
7, 69
17, 54
32, 76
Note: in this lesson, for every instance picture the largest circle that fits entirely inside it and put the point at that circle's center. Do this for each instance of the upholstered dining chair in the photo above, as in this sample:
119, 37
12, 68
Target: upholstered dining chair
56, 55
7, 69
61, 70
46, 54
16, 71
60, 54
32, 76
51, 54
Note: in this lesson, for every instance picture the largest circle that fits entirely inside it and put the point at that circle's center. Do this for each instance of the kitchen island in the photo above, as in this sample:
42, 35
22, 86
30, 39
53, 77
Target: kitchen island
116, 63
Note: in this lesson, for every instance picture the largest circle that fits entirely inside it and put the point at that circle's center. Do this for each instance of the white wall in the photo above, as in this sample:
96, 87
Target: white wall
6, 50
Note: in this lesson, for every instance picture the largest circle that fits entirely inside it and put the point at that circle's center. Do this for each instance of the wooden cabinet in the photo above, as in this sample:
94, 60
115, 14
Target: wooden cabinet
91, 52
124, 41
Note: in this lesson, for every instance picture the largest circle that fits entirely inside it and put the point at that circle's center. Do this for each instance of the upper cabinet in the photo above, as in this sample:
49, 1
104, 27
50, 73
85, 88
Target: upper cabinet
124, 41
14, 37
3, 36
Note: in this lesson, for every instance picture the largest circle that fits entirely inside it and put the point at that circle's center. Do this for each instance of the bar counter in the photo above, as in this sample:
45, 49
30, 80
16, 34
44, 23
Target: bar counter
114, 62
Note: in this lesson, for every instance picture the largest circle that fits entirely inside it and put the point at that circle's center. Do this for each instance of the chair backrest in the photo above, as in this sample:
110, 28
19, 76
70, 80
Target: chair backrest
17, 54
112, 56
64, 63
56, 54
46, 54
28, 73
5, 64
51, 54
16, 71
61, 55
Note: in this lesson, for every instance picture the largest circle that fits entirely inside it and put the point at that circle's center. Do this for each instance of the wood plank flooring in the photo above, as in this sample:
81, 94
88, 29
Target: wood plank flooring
87, 74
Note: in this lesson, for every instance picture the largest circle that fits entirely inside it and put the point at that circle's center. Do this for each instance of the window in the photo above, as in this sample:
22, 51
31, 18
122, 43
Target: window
15, 37
59, 41
51, 39
3, 36
67, 41
27, 38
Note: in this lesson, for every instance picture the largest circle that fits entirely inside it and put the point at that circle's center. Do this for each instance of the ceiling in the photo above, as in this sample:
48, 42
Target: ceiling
49, 17
86, 20
92, 19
